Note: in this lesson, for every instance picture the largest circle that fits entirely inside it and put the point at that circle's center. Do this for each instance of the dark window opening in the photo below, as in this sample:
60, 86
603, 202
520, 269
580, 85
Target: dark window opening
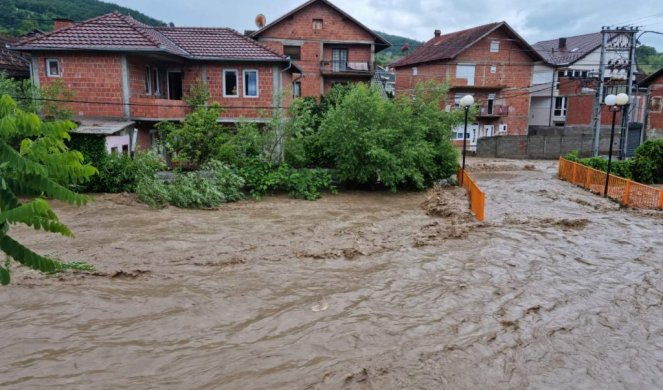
175, 85
230, 83
294, 52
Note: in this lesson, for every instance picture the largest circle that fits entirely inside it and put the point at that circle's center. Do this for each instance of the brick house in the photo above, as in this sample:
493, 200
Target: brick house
326, 43
127, 76
491, 62
654, 121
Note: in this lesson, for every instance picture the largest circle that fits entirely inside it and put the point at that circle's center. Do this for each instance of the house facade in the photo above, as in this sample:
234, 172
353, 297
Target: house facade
490, 62
127, 76
326, 43
574, 61
654, 121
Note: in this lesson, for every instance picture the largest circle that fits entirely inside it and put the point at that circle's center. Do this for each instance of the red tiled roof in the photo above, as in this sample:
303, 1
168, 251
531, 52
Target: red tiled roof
449, 46
117, 32
651, 78
576, 48
202, 42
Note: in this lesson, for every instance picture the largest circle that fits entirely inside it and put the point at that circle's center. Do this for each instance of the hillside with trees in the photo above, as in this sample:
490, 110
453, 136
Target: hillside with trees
648, 59
18, 17
387, 56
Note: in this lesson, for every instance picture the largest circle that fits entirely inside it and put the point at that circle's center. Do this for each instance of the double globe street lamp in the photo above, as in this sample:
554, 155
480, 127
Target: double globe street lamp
466, 103
615, 104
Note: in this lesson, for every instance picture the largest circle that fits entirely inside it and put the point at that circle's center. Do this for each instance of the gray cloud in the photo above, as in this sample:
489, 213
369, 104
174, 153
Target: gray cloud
534, 20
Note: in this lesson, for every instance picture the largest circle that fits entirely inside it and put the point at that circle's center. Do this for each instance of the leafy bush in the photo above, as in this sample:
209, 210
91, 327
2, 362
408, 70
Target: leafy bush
599, 163
208, 188
648, 162
122, 173
399, 144
263, 177
573, 156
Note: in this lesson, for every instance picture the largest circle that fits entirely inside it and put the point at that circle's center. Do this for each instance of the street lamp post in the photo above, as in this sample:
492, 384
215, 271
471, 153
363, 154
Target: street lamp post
616, 103
465, 102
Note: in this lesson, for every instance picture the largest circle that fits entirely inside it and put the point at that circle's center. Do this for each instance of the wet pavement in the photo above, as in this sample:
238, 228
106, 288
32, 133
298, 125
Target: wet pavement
558, 288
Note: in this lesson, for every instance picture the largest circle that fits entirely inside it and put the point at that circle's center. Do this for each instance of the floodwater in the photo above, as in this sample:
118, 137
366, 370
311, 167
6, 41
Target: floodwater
558, 288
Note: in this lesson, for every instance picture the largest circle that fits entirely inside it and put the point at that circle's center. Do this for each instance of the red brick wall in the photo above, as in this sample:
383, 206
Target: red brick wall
92, 78
513, 71
335, 28
580, 105
655, 121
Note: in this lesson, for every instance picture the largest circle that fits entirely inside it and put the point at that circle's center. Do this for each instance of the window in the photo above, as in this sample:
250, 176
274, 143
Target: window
294, 52
339, 60
493, 69
156, 82
465, 71
148, 83
296, 89
494, 46
53, 68
317, 24
560, 106
251, 83
415, 71
175, 85
491, 103
230, 83
459, 96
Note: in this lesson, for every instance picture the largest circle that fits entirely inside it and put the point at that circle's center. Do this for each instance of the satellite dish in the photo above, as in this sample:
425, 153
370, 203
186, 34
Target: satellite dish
261, 20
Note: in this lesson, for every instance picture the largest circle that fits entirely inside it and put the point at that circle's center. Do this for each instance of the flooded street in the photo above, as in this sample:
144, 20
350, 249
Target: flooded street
558, 288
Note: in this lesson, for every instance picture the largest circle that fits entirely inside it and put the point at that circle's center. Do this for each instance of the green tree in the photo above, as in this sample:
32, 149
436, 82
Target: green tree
34, 162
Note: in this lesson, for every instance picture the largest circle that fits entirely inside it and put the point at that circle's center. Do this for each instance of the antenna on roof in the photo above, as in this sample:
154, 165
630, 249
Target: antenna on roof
261, 20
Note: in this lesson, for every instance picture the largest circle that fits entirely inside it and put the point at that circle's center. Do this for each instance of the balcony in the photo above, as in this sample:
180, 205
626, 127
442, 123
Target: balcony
158, 109
487, 110
347, 68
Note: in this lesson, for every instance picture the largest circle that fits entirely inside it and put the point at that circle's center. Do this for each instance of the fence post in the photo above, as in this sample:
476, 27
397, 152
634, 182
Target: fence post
627, 193
573, 175
587, 176
660, 199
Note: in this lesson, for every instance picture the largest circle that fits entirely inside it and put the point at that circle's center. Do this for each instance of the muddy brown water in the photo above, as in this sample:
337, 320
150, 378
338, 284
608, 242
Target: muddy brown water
557, 289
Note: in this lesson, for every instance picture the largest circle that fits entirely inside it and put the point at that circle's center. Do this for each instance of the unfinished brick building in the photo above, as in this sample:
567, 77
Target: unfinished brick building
491, 62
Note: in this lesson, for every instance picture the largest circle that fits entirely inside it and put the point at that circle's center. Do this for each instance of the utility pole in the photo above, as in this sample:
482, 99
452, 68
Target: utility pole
596, 115
626, 115
608, 45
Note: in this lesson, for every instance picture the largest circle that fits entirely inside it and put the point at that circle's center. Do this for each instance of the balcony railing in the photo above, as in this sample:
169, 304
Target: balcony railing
494, 110
347, 67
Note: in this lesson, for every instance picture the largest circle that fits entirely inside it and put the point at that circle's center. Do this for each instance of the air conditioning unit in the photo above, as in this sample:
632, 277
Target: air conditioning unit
503, 128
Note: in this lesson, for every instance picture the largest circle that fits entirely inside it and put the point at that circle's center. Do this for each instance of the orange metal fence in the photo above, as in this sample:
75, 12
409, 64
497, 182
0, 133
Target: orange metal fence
625, 191
477, 197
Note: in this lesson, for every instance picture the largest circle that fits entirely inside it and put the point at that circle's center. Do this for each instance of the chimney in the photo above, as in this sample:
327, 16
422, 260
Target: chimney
562, 43
59, 23
438, 33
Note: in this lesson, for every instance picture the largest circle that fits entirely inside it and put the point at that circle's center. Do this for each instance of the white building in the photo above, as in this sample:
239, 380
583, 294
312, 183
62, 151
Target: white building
574, 57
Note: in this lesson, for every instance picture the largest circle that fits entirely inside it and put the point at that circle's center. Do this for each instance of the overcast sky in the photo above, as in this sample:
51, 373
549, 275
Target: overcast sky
534, 19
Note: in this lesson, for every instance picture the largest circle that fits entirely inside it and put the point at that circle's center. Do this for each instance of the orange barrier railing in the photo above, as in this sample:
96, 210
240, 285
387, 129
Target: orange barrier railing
477, 197
625, 191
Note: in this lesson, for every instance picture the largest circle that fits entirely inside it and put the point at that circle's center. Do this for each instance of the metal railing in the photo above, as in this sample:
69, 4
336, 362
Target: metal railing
339, 66
625, 191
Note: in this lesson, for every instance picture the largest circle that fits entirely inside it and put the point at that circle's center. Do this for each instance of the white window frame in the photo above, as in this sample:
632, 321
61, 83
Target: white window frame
48, 67
296, 89
415, 71
244, 85
148, 80
494, 46
156, 87
236, 72
493, 69
470, 81
316, 24
563, 109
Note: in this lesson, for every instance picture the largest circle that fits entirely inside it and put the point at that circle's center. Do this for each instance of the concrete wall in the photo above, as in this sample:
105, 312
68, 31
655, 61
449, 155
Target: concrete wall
543, 146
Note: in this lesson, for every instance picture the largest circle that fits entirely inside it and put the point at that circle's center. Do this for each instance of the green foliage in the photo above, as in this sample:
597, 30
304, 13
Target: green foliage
648, 59
77, 266
22, 16
395, 52
208, 188
53, 97
263, 178
23, 91
42, 166
573, 156
648, 162
397, 144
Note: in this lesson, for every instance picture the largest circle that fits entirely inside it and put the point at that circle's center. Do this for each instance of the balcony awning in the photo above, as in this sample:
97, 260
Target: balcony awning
102, 126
